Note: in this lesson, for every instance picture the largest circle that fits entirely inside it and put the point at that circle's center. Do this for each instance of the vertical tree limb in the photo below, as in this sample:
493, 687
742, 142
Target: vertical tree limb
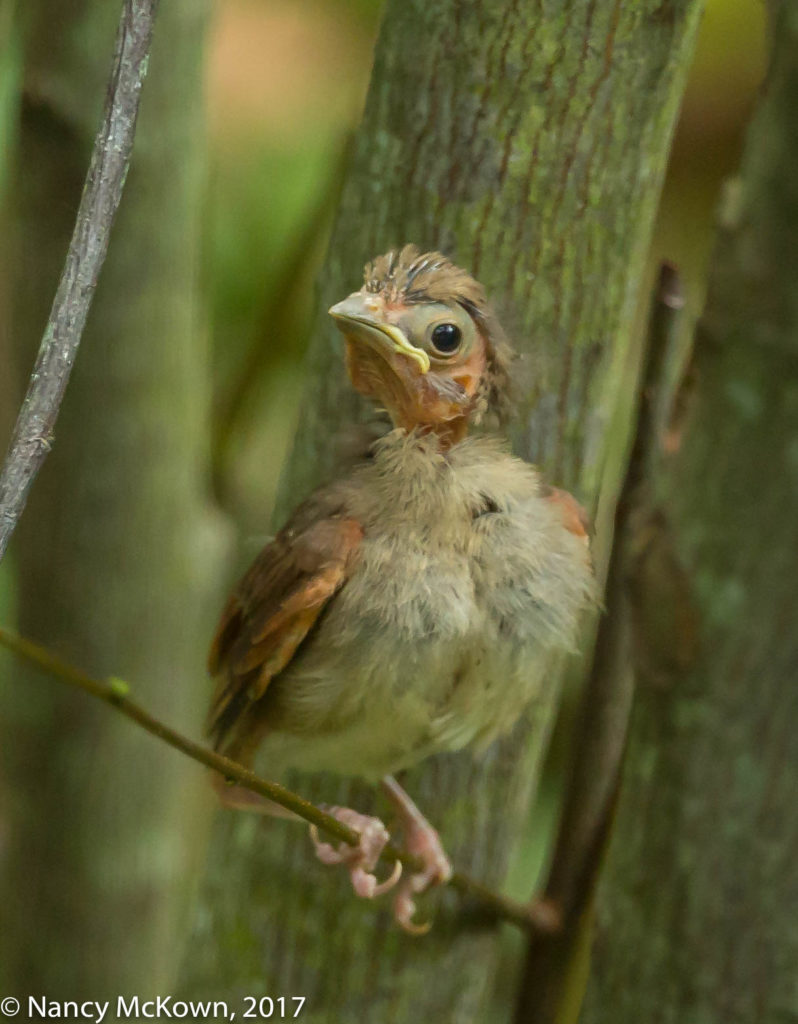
696, 906
600, 740
105, 181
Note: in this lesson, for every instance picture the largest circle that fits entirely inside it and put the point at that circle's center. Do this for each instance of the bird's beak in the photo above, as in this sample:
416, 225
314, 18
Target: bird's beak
359, 323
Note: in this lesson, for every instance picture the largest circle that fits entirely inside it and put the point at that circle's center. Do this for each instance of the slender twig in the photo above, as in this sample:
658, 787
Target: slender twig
115, 692
606, 706
102, 191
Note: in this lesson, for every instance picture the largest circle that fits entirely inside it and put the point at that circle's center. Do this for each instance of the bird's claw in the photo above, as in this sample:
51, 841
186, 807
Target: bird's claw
362, 859
422, 841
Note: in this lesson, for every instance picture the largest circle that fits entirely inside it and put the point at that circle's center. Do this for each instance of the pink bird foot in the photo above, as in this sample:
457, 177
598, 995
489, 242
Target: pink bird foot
420, 839
362, 859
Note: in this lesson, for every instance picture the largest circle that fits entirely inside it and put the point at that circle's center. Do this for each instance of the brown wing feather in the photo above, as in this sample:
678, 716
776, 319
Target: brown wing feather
574, 517
271, 612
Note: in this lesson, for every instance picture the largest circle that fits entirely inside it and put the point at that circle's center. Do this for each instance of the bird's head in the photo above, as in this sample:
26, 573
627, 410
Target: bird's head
421, 340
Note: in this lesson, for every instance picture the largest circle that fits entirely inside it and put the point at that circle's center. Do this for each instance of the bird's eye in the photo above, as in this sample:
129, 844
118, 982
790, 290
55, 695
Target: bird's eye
446, 338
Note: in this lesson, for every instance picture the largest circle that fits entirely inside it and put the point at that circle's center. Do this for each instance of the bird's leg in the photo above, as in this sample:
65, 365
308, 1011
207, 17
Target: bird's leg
360, 860
421, 839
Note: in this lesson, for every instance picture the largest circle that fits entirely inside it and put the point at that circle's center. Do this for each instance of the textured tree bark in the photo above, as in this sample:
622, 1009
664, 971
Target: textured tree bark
529, 143
553, 981
118, 549
697, 905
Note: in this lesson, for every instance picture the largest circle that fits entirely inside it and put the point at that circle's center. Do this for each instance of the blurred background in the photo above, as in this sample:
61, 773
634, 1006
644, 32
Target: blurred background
284, 84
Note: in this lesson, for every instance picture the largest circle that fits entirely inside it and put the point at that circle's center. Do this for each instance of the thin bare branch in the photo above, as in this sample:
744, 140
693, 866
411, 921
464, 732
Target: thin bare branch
102, 191
115, 692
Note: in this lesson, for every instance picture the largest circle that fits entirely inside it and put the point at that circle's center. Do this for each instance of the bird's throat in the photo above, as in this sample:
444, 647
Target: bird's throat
449, 433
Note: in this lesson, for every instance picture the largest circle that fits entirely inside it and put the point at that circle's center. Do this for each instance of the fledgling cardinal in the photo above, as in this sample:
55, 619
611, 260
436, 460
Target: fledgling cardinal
413, 606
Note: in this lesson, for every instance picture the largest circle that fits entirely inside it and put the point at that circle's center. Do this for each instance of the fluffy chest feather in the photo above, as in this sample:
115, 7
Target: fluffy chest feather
465, 583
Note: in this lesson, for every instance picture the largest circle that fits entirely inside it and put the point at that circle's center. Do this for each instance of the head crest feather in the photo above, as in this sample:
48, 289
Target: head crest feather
407, 275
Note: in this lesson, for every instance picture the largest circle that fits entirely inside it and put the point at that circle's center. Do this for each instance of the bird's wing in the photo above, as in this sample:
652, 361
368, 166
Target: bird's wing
574, 517
272, 610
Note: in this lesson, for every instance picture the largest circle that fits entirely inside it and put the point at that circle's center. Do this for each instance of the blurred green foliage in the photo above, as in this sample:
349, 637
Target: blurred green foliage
286, 85
721, 92
10, 70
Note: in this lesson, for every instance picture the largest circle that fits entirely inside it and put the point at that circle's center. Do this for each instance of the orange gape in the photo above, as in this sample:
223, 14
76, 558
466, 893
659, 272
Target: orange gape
415, 604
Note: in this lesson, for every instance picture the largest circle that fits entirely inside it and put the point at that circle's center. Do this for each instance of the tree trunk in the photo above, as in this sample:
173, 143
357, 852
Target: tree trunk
529, 144
118, 549
697, 906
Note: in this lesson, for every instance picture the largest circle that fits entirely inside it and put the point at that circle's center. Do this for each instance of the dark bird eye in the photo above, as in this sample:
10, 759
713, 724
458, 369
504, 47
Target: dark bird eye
446, 338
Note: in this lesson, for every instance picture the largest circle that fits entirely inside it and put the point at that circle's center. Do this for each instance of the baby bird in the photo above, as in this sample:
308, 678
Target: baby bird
412, 606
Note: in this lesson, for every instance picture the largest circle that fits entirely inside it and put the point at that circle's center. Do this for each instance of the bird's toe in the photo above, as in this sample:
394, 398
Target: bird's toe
361, 860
